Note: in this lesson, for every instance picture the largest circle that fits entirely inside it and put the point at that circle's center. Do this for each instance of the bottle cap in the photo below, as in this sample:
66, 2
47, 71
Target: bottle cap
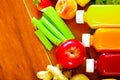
86, 39
89, 65
80, 16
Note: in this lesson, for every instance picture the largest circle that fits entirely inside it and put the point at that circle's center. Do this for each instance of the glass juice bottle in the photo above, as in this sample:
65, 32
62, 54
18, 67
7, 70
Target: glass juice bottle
103, 40
98, 16
107, 64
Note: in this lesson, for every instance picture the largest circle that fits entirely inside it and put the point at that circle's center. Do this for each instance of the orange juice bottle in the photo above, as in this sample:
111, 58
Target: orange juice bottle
103, 40
98, 16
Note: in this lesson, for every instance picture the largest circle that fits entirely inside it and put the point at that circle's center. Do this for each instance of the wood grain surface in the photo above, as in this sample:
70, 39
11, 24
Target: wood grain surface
21, 53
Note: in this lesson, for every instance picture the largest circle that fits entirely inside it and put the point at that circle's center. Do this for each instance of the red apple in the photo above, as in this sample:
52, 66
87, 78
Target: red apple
70, 54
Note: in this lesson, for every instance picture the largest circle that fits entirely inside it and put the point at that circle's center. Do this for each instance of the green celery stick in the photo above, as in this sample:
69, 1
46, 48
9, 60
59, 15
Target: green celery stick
52, 28
46, 32
44, 40
51, 13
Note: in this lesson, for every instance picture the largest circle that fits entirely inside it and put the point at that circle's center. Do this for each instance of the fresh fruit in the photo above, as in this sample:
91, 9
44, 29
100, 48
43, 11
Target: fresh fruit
70, 54
82, 3
79, 77
41, 4
66, 8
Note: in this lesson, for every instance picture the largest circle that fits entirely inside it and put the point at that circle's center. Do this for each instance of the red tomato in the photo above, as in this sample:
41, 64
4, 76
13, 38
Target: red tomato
71, 54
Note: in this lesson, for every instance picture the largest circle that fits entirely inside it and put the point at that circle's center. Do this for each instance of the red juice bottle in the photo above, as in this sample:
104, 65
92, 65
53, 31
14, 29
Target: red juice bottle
107, 64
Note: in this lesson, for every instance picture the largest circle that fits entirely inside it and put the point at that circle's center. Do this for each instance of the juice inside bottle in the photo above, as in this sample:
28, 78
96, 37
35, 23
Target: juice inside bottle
103, 40
100, 16
107, 64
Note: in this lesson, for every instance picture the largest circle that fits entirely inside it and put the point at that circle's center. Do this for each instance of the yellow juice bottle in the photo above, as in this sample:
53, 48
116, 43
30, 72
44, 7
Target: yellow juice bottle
103, 40
98, 16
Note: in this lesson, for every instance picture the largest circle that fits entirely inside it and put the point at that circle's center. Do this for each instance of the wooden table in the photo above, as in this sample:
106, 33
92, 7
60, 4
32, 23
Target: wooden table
21, 53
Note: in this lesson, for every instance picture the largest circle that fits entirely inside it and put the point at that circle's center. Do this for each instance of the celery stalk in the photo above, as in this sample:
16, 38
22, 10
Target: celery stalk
52, 28
43, 39
46, 32
50, 12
